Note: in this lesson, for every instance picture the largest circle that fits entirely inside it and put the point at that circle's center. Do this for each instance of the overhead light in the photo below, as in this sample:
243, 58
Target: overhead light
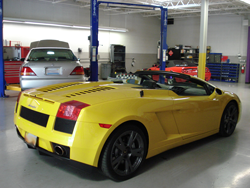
246, 1
183, 6
113, 29
80, 27
46, 24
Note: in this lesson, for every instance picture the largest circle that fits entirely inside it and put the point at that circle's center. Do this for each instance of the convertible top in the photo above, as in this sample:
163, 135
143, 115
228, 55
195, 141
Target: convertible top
167, 73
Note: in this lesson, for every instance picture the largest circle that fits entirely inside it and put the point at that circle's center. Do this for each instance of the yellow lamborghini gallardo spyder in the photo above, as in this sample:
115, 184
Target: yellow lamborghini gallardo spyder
116, 125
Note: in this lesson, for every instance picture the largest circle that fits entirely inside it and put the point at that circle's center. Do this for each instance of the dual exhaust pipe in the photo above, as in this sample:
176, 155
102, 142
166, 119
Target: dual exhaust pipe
59, 150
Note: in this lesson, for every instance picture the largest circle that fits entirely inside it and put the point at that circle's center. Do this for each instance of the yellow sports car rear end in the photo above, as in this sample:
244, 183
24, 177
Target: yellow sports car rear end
76, 135
115, 126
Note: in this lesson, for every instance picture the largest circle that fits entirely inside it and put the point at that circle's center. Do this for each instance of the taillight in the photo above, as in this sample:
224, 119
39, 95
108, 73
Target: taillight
189, 70
77, 71
70, 110
27, 71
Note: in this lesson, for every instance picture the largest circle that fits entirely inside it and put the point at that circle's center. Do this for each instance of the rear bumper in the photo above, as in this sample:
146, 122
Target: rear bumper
33, 83
81, 146
53, 154
67, 160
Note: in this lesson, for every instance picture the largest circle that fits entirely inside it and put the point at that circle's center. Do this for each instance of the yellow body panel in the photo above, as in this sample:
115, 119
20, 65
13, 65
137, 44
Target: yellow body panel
167, 117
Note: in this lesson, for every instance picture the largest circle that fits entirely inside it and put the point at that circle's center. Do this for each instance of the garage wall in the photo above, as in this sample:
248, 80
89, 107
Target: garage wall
226, 34
140, 41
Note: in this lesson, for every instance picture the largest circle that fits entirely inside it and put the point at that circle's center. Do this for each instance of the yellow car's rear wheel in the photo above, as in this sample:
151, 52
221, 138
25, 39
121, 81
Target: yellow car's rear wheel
124, 153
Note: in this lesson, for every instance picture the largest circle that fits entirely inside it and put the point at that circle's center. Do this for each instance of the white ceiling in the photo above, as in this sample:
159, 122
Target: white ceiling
176, 8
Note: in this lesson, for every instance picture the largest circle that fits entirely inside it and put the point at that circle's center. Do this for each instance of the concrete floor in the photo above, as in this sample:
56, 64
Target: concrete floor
213, 162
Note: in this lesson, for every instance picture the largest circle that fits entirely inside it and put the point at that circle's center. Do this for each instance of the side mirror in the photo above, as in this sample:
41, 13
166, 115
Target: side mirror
218, 91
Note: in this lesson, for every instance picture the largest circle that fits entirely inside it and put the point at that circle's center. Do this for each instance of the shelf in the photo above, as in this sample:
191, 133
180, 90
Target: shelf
117, 58
224, 72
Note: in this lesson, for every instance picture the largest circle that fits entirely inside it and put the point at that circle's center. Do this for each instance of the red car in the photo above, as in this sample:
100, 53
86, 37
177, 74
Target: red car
181, 66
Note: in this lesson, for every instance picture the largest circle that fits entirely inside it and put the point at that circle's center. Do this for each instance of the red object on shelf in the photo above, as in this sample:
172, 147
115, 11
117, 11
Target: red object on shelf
224, 58
11, 69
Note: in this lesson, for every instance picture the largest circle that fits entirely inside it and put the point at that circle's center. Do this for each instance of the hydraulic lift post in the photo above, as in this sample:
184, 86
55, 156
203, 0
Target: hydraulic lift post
94, 16
94, 43
2, 82
164, 46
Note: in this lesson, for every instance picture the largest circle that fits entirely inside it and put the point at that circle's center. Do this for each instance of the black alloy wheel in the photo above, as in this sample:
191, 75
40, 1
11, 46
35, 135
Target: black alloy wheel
124, 153
229, 119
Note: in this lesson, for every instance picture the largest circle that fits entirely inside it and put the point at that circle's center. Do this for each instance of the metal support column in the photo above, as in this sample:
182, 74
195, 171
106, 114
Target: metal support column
247, 79
164, 46
94, 14
2, 82
203, 39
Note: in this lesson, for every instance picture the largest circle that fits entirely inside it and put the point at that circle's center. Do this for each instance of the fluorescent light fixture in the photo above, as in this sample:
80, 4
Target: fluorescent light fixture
246, 1
47, 24
80, 27
11, 21
183, 6
113, 29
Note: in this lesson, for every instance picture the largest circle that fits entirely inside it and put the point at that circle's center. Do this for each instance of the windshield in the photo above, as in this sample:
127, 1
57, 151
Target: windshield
51, 55
181, 84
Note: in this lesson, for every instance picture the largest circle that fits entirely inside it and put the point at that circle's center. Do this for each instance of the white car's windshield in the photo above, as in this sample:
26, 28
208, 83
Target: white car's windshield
51, 55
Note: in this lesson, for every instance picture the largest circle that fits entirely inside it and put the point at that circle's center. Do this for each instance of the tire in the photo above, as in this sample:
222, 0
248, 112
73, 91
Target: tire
229, 120
124, 153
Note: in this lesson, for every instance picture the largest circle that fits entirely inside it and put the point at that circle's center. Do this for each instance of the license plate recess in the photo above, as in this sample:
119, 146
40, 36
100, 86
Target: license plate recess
30, 139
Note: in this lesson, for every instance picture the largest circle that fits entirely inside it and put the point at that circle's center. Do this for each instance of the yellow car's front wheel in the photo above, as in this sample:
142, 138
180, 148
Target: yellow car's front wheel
229, 119
124, 153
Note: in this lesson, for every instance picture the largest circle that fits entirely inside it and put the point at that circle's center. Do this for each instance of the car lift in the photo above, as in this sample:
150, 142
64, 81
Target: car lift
94, 18
2, 82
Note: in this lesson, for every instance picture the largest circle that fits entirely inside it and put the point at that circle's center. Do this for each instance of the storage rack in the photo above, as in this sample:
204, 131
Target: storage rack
190, 54
117, 58
225, 72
